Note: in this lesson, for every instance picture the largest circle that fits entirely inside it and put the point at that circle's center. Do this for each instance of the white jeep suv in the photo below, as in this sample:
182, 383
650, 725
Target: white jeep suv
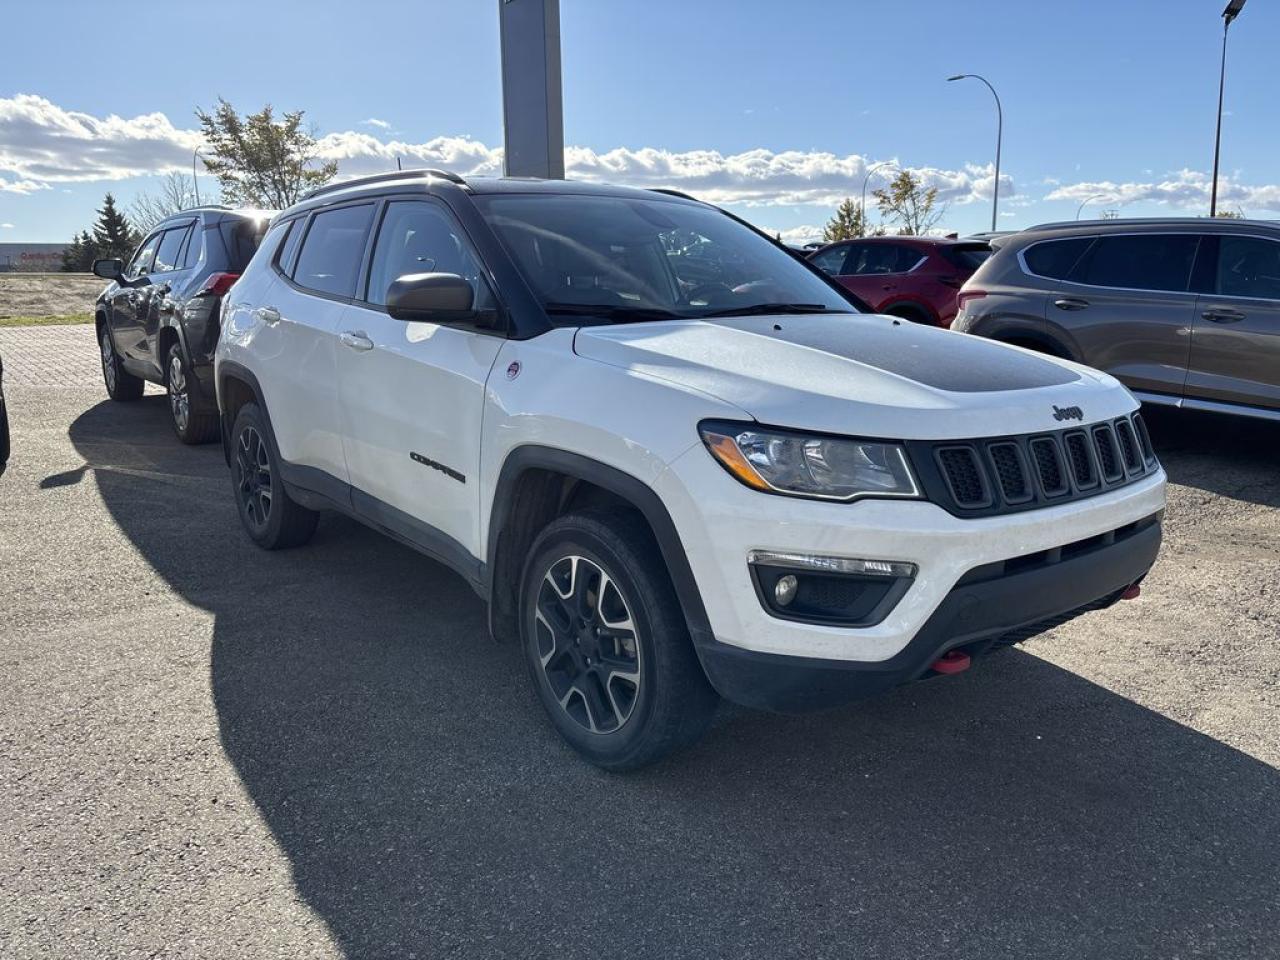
677, 461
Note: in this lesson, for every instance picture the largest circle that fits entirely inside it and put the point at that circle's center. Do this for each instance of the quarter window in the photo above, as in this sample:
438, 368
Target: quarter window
1055, 258
1249, 267
331, 252
418, 237
293, 234
1145, 261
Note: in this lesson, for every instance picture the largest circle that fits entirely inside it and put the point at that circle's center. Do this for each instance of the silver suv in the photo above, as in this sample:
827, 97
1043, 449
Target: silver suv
1185, 312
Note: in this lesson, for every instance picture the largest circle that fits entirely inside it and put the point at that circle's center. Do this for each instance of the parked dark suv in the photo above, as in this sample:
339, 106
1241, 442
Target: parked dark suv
158, 320
1184, 312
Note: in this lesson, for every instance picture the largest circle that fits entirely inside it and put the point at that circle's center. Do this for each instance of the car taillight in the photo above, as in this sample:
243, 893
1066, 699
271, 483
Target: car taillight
964, 296
217, 284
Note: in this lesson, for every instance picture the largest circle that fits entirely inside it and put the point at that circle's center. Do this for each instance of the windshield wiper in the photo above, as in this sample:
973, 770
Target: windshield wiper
614, 313
756, 309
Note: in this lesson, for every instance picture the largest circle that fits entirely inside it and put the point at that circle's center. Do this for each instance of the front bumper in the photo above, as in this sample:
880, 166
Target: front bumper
989, 607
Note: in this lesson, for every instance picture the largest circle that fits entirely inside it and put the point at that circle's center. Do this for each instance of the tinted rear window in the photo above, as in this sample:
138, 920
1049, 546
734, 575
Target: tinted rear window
967, 256
1055, 258
241, 239
1146, 261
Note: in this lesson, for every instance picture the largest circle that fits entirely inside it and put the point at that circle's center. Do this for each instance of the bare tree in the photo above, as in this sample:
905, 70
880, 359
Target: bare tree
177, 192
908, 202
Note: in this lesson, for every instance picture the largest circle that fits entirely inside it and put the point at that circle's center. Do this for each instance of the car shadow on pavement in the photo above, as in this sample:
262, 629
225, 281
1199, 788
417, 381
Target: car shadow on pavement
1234, 457
427, 808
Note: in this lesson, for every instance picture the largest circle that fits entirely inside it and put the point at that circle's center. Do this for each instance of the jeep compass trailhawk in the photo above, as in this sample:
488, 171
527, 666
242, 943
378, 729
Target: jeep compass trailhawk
672, 477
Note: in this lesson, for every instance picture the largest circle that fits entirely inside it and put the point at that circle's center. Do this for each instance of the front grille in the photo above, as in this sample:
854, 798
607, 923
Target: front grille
1008, 474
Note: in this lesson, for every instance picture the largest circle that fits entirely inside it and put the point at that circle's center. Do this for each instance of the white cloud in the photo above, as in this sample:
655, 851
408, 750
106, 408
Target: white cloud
6, 226
42, 143
375, 122
1182, 190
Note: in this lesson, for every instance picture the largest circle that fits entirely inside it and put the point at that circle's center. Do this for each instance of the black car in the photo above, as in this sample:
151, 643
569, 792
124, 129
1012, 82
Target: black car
158, 320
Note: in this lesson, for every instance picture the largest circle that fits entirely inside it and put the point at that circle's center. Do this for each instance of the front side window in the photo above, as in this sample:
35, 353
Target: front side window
1249, 267
631, 258
329, 261
167, 254
418, 237
1144, 261
142, 260
830, 260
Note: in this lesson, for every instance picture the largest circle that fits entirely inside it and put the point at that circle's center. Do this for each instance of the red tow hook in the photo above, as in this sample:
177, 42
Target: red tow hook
953, 661
1131, 592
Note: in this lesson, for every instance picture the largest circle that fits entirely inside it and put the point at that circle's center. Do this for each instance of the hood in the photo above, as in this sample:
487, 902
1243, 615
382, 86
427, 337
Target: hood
861, 375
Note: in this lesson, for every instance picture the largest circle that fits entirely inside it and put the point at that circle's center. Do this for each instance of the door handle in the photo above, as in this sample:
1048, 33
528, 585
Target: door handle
167, 306
268, 315
356, 340
1223, 316
1070, 303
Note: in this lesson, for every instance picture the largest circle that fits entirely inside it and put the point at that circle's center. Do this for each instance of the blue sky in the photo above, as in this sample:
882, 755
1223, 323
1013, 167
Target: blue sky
772, 108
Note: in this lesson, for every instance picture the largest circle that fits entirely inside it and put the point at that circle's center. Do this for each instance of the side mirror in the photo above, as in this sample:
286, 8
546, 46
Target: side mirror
108, 269
432, 297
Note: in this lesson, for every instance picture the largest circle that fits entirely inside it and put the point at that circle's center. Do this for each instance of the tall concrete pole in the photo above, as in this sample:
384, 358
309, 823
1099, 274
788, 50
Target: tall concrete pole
532, 102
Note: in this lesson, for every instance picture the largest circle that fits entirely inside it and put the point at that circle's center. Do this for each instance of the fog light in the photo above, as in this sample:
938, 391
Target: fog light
784, 591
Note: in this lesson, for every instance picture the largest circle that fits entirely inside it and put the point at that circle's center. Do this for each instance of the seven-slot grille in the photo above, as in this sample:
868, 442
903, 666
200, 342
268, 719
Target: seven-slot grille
1008, 474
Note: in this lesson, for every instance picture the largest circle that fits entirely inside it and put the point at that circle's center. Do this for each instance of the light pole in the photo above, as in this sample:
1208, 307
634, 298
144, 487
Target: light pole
1080, 209
1232, 11
194, 179
995, 191
872, 169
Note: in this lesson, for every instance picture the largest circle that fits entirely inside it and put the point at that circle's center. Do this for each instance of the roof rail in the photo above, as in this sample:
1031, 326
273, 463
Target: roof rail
392, 175
674, 193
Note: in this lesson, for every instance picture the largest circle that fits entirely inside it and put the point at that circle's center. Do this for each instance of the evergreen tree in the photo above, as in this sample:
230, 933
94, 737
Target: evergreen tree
849, 222
79, 257
112, 234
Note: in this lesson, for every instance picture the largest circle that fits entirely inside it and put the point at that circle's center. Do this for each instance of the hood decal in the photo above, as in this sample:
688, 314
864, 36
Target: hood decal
955, 362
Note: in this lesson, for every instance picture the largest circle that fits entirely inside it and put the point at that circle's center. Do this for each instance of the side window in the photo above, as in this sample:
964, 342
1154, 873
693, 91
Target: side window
419, 237
1249, 267
332, 249
141, 262
169, 249
1145, 261
831, 260
195, 241
284, 257
1055, 259
869, 258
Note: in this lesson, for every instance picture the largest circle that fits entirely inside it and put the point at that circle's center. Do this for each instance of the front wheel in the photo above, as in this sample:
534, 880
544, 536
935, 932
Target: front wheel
607, 644
121, 384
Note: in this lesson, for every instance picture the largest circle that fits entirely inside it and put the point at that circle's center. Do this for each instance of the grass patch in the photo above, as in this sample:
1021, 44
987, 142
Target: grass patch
46, 321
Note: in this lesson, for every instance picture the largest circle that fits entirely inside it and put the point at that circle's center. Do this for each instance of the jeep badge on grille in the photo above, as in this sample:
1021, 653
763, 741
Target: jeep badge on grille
1067, 413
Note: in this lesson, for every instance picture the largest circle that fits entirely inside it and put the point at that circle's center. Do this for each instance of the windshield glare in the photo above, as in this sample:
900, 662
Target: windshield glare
655, 258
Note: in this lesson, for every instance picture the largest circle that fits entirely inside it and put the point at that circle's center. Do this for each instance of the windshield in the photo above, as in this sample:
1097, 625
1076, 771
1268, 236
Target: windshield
622, 258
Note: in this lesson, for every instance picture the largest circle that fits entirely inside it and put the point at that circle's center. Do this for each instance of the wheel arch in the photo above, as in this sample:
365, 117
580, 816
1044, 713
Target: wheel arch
538, 484
236, 386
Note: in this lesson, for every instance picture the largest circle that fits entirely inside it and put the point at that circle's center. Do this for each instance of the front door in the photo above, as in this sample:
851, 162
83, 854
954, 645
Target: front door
157, 303
413, 393
129, 299
1235, 343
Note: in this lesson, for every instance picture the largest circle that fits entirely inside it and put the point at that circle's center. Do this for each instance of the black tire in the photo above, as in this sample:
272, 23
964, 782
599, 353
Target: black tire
669, 704
270, 517
192, 421
121, 385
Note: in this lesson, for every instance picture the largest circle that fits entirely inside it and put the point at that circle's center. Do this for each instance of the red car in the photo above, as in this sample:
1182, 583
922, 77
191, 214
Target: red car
915, 278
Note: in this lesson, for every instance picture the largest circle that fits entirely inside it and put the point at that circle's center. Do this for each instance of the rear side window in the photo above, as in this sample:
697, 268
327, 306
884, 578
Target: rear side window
1145, 261
966, 256
241, 238
168, 254
1055, 258
874, 258
1249, 267
332, 249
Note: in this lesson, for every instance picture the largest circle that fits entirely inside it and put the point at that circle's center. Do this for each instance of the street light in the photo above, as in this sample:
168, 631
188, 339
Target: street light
194, 180
995, 192
1232, 11
870, 171
1080, 209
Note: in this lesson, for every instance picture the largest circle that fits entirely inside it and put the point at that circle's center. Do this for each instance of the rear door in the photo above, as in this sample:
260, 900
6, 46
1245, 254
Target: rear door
1128, 307
1235, 341
413, 392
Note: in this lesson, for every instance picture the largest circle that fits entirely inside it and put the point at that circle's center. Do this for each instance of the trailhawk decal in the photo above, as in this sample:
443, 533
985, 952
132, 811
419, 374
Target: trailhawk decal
436, 465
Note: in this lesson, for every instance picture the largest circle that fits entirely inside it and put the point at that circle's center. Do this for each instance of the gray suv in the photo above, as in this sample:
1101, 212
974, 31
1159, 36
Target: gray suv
1184, 312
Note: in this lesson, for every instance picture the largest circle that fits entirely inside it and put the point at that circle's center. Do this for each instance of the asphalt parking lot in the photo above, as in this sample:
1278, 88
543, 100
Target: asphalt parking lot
208, 751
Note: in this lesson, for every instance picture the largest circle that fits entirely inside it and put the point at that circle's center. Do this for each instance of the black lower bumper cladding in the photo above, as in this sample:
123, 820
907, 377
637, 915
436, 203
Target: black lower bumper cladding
993, 605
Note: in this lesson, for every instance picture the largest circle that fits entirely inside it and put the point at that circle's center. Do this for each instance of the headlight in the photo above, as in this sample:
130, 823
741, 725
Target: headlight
802, 465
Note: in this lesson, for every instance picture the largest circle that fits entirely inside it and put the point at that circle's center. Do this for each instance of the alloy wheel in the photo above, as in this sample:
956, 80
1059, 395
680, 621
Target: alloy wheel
179, 399
108, 362
587, 644
253, 476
